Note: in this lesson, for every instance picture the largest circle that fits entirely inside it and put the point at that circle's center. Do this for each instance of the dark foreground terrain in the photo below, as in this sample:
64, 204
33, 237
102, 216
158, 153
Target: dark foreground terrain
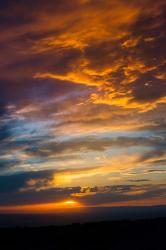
115, 235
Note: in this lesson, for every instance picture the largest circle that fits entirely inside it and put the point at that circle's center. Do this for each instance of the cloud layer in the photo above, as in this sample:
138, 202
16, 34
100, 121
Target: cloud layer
82, 101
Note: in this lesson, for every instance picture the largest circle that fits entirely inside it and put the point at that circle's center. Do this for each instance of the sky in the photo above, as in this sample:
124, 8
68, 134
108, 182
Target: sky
82, 104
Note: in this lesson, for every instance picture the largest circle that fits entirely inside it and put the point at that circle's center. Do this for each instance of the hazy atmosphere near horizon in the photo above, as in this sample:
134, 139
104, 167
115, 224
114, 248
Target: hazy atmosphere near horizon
82, 104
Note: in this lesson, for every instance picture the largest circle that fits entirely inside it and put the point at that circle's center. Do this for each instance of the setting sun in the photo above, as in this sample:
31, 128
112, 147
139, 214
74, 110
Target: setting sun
70, 202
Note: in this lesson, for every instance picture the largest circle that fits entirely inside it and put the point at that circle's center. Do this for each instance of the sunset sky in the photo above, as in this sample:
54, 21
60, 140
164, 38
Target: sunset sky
82, 104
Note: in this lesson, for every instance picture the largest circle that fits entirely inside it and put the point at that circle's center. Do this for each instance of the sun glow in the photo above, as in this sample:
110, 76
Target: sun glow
70, 202
64, 206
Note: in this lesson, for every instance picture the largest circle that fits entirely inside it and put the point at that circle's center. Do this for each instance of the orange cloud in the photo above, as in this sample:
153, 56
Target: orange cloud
109, 59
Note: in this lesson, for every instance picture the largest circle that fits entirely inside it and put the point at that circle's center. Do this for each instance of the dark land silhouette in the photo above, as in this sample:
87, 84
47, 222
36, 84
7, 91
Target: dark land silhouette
149, 234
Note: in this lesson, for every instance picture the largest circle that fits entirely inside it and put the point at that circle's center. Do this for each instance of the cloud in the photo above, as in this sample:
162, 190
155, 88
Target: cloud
90, 143
12, 192
139, 180
69, 43
129, 65
120, 194
157, 170
82, 100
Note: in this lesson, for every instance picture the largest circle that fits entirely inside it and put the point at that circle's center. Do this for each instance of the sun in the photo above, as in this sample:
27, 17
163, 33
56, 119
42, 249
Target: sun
70, 203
